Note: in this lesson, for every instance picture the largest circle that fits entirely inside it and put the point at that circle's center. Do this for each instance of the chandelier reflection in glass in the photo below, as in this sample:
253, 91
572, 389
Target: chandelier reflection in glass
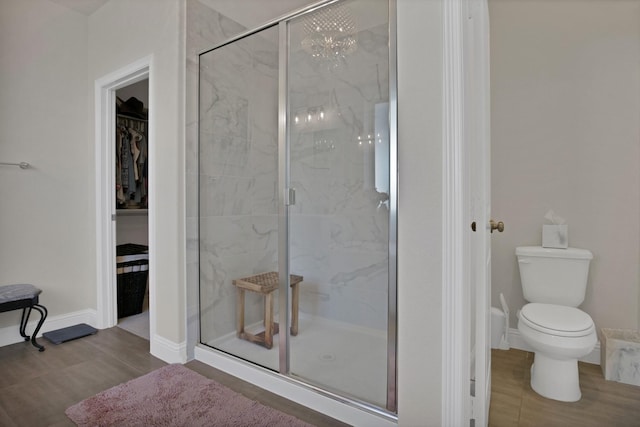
330, 34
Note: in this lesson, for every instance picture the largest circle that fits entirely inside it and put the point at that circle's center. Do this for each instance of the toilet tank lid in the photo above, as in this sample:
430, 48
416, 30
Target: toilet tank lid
539, 251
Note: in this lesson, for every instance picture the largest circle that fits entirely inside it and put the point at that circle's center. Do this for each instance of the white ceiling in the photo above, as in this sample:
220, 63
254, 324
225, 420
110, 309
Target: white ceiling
86, 7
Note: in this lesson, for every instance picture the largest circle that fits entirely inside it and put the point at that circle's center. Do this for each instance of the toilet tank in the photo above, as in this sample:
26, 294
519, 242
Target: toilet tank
554, 276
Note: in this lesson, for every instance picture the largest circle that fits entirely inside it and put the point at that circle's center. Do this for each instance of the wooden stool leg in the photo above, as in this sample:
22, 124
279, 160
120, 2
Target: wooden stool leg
268, 320
240, 313
295, 297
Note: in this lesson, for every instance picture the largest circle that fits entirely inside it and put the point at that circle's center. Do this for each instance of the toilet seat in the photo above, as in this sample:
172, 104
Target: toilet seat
557, 320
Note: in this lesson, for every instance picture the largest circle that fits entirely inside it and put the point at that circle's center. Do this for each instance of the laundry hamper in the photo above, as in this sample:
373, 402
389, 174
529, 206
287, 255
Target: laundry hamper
133, 272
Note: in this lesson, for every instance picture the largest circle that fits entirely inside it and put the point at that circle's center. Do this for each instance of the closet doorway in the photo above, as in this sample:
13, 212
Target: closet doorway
111, 224
131, 198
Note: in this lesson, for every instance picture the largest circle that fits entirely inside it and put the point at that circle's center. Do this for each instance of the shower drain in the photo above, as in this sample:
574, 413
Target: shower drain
327, 357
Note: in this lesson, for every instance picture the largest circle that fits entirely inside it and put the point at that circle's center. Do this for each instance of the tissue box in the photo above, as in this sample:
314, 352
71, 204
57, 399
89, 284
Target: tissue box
555, 236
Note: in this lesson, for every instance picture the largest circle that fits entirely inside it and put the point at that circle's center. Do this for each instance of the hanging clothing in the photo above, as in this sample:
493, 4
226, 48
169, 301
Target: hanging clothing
120, 199
131, 162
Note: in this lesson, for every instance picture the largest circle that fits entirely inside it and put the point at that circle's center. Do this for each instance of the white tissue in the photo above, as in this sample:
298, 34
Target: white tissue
556, 234
553, 218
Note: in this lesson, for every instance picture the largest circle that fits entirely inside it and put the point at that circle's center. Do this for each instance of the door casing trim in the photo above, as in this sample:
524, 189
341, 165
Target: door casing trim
105, 95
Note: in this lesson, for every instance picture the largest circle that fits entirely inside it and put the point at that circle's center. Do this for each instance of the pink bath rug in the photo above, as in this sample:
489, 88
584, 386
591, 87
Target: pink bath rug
175, 396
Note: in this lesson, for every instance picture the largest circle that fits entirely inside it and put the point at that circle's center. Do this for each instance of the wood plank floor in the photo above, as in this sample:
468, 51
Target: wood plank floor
514, 403
36, 388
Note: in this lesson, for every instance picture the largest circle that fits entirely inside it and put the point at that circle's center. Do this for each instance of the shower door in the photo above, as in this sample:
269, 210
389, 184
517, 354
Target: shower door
238, 176
338, 111
297, 180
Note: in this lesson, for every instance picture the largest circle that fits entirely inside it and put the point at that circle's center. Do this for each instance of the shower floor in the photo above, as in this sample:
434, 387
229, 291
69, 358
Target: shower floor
347, 359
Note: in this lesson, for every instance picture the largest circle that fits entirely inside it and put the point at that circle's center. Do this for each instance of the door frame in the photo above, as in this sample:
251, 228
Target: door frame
465, 140
105, 119
478, 170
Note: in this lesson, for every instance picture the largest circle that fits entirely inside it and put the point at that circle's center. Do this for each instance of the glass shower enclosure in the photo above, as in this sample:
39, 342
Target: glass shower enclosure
297, 199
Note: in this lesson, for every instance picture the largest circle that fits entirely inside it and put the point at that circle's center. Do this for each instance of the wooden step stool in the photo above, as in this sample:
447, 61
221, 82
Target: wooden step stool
265, 284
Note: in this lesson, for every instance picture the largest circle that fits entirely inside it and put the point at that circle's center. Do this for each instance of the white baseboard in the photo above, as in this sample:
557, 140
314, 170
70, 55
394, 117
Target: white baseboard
11, 334
293, 391
168, 351
516, 341
161, 348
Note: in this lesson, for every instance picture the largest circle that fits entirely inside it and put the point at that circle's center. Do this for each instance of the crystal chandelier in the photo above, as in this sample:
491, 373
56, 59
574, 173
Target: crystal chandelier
330, 34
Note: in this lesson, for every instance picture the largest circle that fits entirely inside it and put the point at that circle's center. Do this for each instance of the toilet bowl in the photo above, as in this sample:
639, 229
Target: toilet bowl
559, 336
554, 282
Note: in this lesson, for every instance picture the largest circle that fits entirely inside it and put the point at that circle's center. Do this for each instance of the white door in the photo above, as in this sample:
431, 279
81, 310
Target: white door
478, 182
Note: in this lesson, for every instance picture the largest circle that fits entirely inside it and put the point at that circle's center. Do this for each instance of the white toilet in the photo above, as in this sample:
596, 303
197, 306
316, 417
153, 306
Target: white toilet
554, 282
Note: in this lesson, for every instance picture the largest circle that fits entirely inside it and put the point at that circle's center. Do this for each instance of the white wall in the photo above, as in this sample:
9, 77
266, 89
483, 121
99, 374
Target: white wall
565, 79
419, 212
51, 57
139, 90
132, 228
45, 212
120, 33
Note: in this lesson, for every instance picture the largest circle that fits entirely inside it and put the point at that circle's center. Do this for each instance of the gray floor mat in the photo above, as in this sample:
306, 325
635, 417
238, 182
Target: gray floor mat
69, 333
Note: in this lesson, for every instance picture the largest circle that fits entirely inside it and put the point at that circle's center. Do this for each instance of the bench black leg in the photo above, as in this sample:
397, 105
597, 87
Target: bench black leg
23, 323
43, 315
26, 312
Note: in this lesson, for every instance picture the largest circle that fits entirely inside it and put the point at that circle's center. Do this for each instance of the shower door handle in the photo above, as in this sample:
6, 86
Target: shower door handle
289, 196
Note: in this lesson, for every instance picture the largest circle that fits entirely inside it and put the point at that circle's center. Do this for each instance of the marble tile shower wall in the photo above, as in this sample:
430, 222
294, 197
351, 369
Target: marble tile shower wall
339, 229
205, 28
238, 175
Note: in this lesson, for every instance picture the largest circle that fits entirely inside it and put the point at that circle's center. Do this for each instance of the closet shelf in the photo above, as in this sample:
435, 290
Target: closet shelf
125, 116
132, 212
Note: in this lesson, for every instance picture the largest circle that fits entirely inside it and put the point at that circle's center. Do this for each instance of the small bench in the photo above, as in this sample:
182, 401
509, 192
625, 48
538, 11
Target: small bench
265, 284
25, 297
